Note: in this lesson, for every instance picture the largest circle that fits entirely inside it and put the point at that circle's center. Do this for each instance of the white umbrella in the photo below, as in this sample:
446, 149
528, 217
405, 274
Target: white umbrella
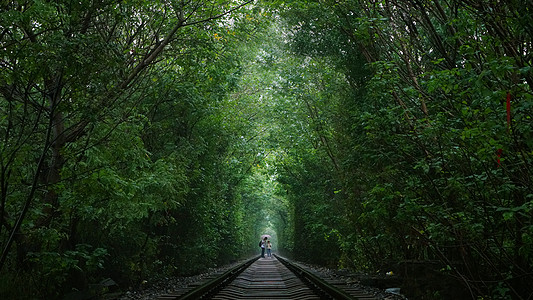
265, 236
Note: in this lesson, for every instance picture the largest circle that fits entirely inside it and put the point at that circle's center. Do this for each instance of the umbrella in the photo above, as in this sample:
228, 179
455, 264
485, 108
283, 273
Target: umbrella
265, 236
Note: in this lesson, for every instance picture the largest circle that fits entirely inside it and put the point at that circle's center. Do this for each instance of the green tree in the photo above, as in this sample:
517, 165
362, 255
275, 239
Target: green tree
77, 88
416, 132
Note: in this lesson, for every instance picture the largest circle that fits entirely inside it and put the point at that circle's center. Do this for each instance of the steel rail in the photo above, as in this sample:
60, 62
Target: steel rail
215, 284
315, 282
243, 282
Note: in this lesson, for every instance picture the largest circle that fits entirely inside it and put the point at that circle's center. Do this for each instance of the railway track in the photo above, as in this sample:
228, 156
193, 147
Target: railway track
269, 278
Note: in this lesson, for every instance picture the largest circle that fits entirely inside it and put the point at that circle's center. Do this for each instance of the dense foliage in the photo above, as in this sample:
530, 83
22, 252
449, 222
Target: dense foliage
416, 117
156, 138
121, 155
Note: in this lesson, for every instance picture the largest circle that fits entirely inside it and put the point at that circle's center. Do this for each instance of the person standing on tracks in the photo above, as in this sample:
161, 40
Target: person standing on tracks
269, 249
262, 244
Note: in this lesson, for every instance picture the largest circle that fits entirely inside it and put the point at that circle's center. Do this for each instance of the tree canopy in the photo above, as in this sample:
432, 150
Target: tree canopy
157, 138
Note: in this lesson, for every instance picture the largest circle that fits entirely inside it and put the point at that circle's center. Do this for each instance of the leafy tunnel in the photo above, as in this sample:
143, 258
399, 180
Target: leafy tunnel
143, 139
